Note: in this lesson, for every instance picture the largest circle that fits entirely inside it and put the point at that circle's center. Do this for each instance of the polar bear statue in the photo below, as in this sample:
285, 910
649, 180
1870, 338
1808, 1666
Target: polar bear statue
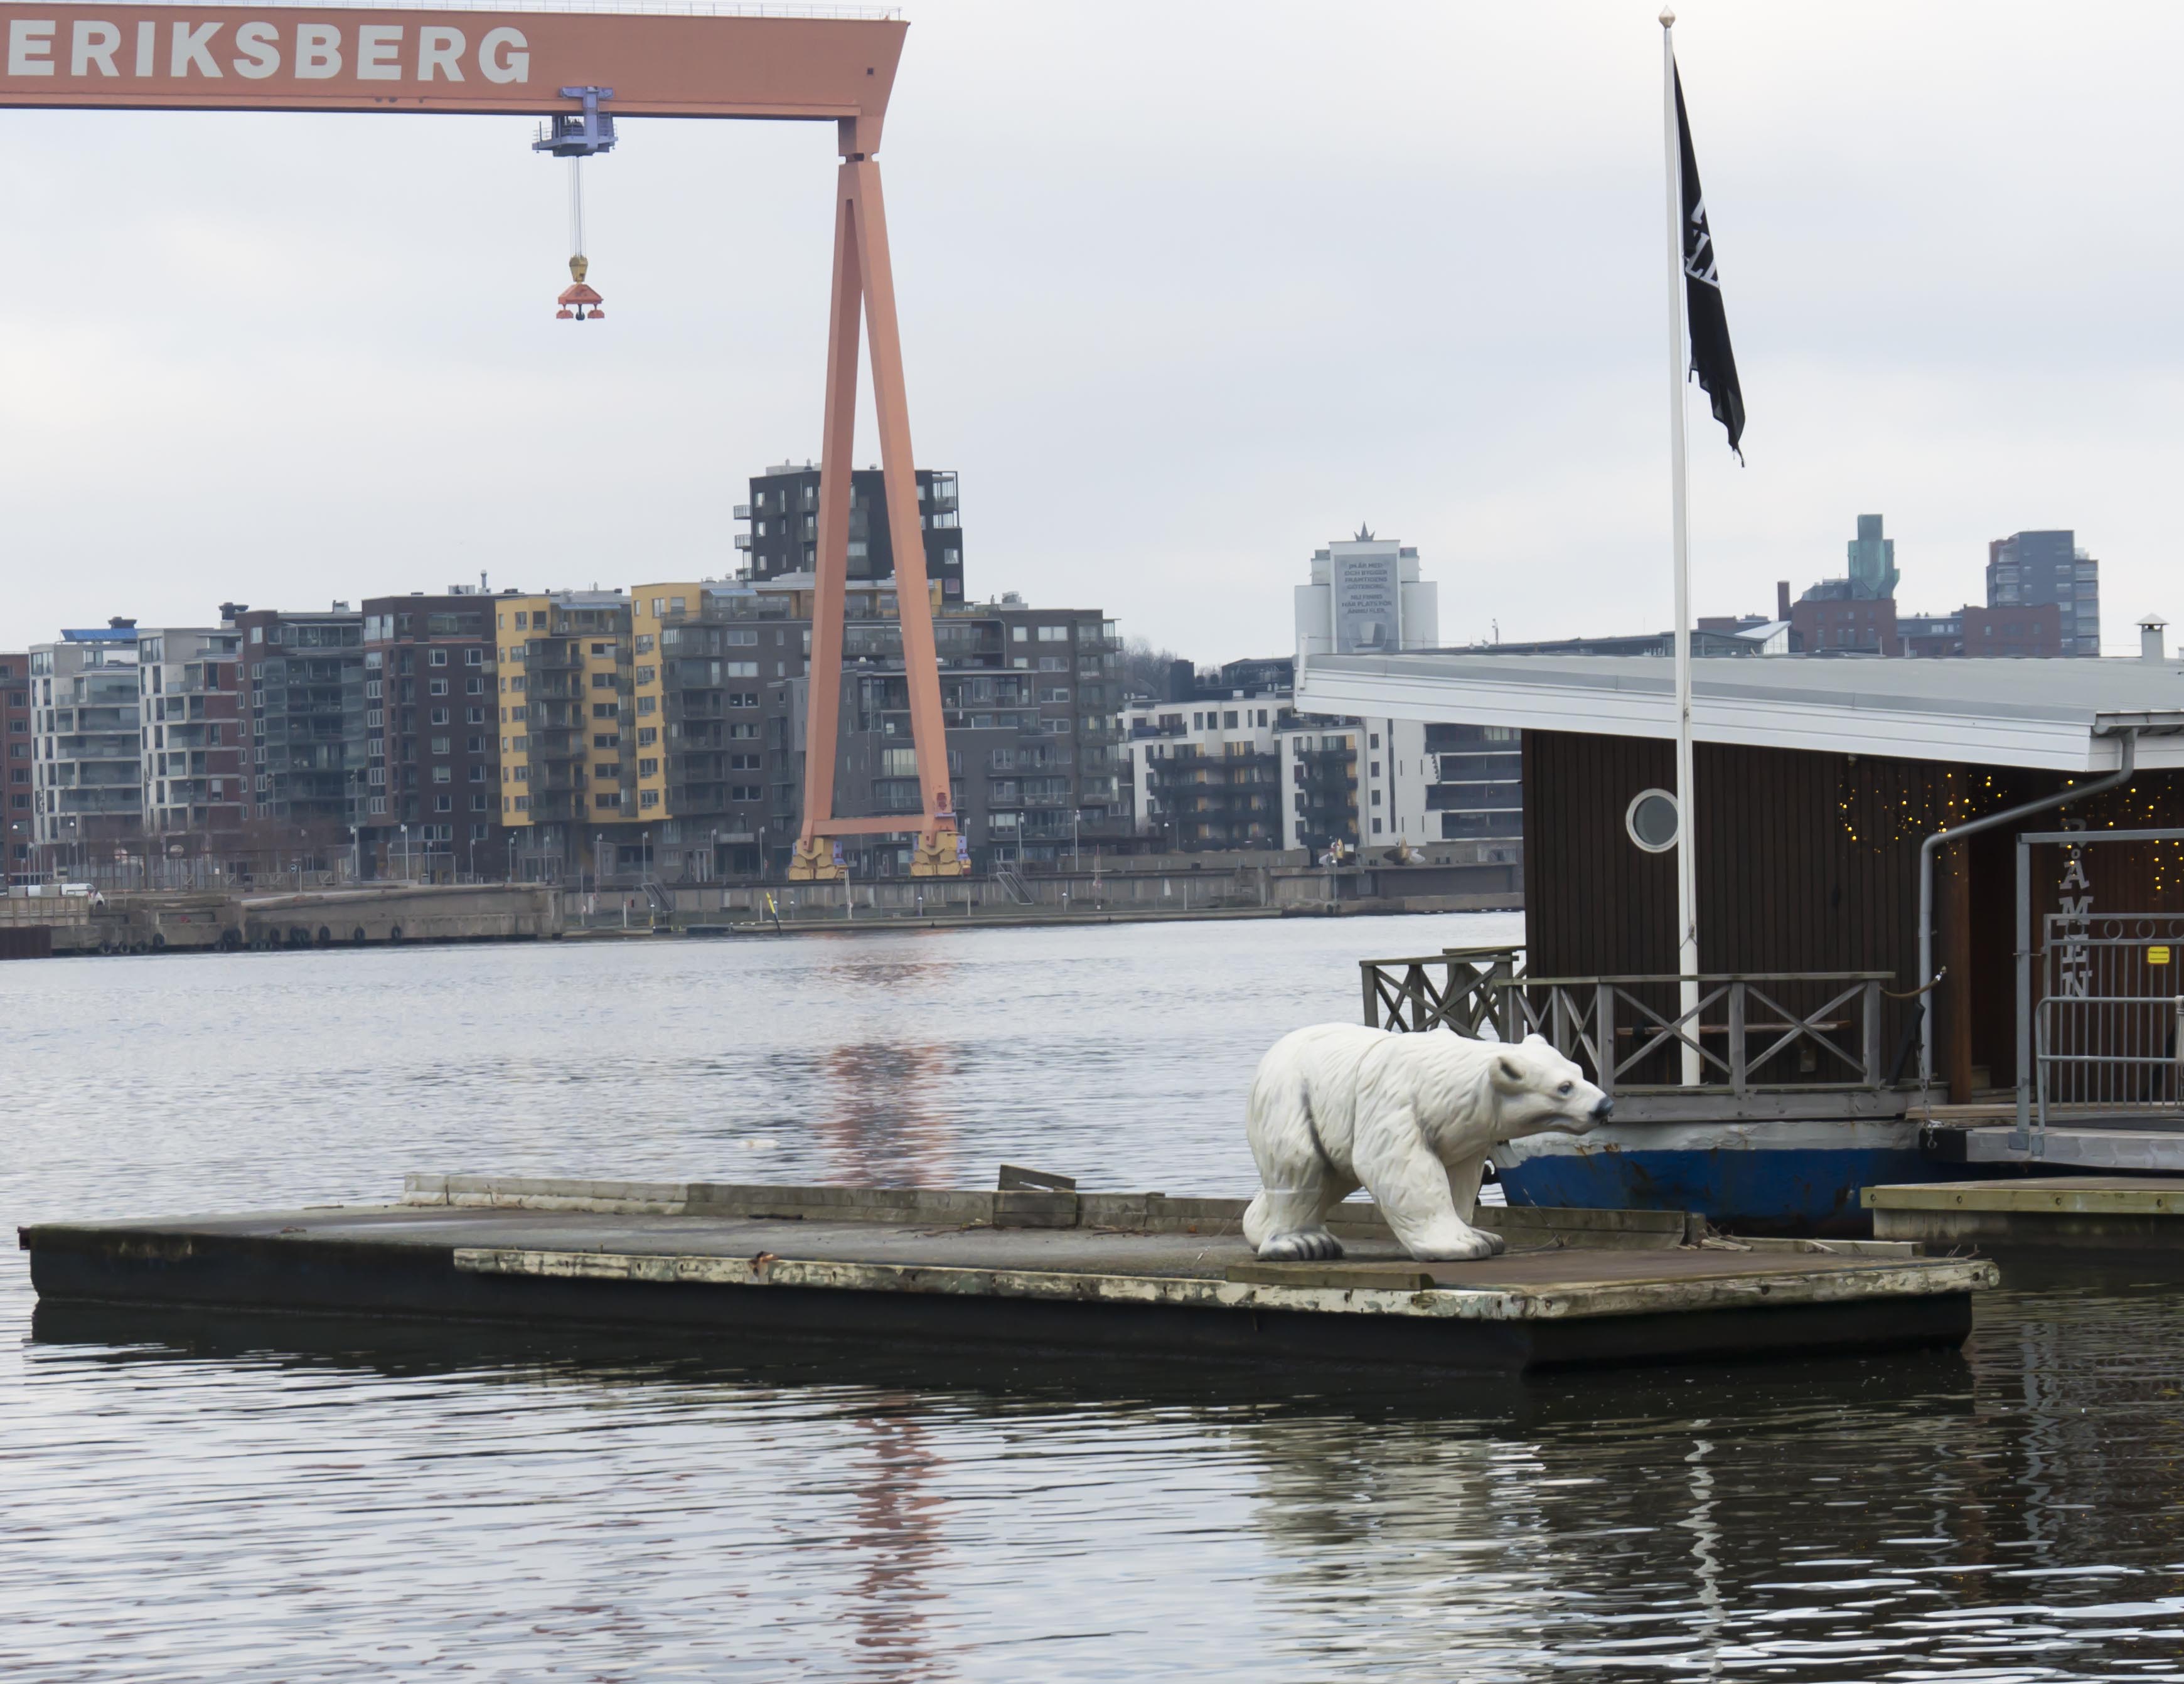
1408, 1117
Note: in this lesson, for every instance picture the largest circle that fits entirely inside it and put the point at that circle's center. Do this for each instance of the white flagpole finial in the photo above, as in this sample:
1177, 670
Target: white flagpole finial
1668, 18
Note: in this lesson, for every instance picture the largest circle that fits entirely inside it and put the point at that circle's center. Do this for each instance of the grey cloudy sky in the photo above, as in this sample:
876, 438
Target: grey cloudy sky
1188, 289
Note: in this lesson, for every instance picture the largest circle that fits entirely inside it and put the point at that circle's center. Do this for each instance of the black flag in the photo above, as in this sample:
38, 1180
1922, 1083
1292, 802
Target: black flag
1711, 359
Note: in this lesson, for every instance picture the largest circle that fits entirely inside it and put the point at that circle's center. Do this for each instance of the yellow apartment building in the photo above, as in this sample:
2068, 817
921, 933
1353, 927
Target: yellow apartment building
567, 778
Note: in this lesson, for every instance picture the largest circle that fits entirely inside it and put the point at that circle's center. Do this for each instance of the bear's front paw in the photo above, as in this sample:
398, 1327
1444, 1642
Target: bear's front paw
1476, 1246
1316, 1245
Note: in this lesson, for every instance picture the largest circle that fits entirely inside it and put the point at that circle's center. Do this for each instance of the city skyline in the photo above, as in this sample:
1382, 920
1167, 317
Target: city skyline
278, 360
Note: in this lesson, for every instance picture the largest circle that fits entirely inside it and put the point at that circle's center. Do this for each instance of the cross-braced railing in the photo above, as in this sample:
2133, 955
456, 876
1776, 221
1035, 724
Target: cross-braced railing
1779, 1030
1452, 989
1752, 1032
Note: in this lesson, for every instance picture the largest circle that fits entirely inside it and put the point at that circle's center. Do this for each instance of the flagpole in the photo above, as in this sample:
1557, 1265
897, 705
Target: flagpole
1687, 932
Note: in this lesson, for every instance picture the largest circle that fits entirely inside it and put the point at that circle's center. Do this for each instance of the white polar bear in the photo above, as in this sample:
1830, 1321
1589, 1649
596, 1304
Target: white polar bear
1410, 1117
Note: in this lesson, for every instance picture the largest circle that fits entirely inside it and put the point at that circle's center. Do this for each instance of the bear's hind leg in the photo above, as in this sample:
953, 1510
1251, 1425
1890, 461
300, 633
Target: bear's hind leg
1289, 1225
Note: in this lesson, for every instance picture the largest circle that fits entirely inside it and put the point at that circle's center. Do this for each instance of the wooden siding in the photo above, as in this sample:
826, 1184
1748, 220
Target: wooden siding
1810, 862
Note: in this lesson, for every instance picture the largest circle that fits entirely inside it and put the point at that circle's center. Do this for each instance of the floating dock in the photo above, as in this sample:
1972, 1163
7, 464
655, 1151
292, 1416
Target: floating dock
2080, 1212
1023, 1270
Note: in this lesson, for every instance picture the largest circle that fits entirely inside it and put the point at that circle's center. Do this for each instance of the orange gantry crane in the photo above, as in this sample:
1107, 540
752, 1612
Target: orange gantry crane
580, 68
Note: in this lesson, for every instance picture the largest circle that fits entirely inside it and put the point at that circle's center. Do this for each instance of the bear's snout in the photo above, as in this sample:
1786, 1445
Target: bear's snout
1604, 1110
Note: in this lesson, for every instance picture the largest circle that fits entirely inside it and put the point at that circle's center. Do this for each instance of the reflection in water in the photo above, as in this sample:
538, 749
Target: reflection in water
259, 1498
882, 1114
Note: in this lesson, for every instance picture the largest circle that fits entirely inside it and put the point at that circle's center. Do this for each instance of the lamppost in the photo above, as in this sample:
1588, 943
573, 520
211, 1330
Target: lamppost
407, 874
511, 856
474, 853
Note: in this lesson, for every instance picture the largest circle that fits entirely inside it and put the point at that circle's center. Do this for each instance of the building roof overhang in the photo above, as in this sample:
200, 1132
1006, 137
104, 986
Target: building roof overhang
2056, 715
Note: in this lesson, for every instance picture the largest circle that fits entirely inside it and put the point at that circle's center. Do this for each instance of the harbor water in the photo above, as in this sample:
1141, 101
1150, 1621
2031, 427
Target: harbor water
262, 1499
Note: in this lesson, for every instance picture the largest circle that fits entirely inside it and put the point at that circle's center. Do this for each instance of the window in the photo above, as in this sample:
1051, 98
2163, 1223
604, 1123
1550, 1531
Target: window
439, 658
647, 769
603, 681
644, 643
1375, 765
746, 792
478, 801
523, 620
442, 774
475, 686
1229, 720
1054, 692
474, 716
604, 710
647, 674
1054, 634
1374, 741
473, 657
440, 717
438, 686
648, 798
740, 669
645, 704
442, 745
1019, 634
606, 739
607, 798
756, 763
444, 804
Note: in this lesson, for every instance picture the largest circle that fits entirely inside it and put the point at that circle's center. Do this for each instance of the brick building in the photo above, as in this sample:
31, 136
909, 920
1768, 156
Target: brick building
431, 741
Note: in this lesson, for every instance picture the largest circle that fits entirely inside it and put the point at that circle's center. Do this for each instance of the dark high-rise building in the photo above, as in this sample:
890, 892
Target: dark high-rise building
17, 801
430, 736
2029, 569
784, 513
305, 675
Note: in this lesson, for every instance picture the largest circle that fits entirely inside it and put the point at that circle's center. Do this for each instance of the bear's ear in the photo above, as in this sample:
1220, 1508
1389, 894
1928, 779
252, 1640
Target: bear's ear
1536, 1039
1509, 1071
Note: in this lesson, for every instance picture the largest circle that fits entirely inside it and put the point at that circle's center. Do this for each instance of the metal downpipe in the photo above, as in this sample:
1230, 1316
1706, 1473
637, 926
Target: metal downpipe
1927, 849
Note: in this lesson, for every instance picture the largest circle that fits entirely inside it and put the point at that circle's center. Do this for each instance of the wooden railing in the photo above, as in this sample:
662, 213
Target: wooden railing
1451, 989
1751, 1033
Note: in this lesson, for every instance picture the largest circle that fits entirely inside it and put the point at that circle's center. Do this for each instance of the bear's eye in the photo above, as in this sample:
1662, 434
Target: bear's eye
1565, 1088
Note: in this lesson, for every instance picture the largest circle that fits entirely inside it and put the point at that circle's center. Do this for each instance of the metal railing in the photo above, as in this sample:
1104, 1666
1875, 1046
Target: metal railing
1752, 1032
2109, 1026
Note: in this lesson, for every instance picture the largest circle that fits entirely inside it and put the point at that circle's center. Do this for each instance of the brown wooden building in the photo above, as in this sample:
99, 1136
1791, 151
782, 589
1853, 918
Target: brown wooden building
1817, 780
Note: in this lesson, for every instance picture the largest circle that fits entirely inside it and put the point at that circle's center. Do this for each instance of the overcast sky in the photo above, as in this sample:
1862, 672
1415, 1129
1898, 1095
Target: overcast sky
1187, 289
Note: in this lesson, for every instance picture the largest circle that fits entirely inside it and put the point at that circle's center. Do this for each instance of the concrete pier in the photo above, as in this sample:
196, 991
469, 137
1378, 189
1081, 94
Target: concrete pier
1017, 1269
2075, 1212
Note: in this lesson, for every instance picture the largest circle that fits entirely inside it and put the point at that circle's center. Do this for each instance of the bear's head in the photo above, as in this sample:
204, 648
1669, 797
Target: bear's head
1541, 1091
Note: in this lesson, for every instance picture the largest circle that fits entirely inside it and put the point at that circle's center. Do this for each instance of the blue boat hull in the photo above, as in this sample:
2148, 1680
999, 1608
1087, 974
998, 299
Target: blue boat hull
1747, 1179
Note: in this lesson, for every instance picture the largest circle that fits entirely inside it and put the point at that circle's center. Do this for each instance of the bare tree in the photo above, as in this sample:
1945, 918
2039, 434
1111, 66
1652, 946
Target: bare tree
1145, 668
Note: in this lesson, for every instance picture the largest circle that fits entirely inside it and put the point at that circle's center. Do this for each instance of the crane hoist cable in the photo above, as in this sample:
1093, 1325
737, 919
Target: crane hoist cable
577, 136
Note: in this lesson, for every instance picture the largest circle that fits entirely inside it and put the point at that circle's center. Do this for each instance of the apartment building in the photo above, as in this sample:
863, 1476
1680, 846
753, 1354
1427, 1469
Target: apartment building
194, 784
305, 675
87, 747
2031, 570
16, 799
720, 694
1236, 766
566, 736
431, 741
783, 515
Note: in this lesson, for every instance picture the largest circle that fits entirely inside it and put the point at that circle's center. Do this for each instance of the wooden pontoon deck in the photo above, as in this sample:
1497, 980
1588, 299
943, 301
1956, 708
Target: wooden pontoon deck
1022, 1269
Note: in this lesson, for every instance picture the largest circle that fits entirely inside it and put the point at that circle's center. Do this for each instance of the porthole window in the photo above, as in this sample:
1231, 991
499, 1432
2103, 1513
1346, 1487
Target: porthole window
1651, 819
